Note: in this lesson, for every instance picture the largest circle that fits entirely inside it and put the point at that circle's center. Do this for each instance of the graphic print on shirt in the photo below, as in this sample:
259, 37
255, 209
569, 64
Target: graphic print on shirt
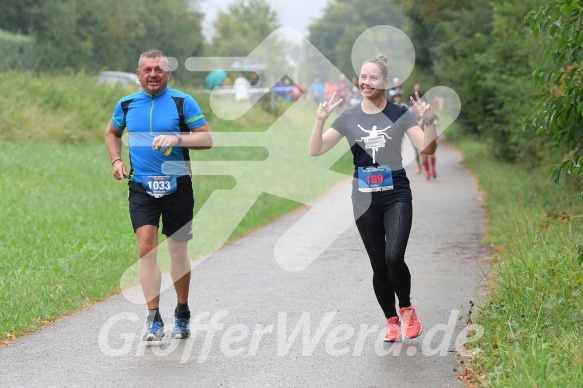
374, 140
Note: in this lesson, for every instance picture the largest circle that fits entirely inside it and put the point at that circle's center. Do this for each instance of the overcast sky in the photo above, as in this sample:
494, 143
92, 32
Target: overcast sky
297, 14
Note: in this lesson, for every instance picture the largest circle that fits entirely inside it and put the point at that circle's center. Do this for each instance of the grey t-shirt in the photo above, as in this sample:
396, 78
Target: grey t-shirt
375, 140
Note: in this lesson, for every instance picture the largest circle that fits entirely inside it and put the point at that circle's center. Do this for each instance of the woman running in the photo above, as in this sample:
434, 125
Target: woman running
427, 161
381, 194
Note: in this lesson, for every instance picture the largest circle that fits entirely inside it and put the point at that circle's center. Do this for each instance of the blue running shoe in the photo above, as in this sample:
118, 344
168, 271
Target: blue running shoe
181, 327
154, 331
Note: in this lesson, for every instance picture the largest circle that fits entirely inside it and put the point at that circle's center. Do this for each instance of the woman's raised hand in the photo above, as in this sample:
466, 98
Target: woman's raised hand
423, 108
325, 108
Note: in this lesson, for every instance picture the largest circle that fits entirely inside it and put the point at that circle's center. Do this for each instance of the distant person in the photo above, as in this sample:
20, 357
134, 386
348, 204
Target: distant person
355, 96
296, 92
162, 125
317, 91
425, 162
396, 89
418, 159
330, 88
432, 159
287, 90
398, 99
416, 90
343, 91
381, 193
282, 90
241, 88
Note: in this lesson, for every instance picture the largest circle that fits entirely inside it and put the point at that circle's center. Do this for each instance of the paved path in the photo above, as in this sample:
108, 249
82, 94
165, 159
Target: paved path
263, 326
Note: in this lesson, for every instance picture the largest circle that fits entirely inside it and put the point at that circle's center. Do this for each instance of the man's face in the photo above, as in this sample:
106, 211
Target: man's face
153, 74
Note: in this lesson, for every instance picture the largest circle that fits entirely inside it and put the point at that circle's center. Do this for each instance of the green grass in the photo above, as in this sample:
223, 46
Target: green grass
533, 320
75, 109
66, 239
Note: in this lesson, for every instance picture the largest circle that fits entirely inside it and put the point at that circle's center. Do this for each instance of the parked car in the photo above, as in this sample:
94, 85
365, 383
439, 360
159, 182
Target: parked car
121, 78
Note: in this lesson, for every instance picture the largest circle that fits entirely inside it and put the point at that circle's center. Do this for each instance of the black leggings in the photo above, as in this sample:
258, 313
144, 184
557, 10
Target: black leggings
384, 230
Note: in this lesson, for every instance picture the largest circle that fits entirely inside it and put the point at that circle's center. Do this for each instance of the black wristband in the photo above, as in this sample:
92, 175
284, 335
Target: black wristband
430, 122
115, 160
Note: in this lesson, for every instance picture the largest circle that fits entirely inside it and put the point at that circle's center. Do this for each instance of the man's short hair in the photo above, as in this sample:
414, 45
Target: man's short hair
154, 53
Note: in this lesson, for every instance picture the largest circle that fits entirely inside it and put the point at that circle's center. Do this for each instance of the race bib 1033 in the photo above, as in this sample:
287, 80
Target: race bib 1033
159, 185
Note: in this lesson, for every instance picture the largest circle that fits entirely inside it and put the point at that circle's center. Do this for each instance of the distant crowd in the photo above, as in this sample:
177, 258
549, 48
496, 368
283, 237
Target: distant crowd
286, 90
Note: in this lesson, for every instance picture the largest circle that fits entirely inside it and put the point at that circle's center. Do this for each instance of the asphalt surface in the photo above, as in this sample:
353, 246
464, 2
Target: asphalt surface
261, 325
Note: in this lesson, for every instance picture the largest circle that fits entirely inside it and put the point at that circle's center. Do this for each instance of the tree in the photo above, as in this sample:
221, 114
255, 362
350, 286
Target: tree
85, 35
560, 108
426, 17
458, 38
343, 22
16, 52
240, 29
485, 52
247, 29
489, 46
17, 16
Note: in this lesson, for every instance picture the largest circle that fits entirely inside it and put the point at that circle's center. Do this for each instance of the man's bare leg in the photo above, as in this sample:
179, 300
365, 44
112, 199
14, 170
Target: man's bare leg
179, 269
148, 268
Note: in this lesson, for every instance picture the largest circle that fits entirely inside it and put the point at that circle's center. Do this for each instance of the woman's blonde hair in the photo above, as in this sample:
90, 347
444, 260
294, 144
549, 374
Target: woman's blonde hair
381, 61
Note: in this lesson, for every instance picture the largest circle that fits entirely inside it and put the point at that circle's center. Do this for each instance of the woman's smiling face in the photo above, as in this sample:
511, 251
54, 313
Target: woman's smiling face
371, 82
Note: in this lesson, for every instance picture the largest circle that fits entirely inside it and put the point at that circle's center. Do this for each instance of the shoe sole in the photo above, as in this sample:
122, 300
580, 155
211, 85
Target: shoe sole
152, 337
391, 340
180, 336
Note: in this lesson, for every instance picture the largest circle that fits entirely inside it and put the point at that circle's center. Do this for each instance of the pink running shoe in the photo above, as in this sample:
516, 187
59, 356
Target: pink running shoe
393, 330
411, 324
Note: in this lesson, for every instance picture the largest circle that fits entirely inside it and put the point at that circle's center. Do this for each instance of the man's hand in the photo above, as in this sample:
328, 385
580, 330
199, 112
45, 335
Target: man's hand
164, 143
119, 170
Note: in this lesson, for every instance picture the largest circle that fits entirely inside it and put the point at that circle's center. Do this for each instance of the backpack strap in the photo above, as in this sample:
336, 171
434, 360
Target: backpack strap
179, 101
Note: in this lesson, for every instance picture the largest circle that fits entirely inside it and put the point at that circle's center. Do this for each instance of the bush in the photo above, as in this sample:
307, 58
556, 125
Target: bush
16, 52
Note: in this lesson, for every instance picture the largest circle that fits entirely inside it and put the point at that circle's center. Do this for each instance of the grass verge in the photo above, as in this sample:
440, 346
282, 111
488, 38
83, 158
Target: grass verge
533, 321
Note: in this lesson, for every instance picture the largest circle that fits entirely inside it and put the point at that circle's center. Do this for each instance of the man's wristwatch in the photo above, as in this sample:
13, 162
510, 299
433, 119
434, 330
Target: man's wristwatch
430, 122
179, 138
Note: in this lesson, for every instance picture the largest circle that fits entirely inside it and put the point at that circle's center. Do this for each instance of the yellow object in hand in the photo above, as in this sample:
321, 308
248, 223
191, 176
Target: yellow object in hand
164, 149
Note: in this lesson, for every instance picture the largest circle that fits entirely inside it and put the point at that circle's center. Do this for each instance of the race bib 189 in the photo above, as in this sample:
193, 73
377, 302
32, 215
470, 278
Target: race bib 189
371, 179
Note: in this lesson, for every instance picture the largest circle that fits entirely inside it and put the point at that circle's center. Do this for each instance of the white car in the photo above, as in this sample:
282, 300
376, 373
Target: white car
121, 78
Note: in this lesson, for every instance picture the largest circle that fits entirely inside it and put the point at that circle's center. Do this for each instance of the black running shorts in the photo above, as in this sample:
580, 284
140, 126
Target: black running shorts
176, 209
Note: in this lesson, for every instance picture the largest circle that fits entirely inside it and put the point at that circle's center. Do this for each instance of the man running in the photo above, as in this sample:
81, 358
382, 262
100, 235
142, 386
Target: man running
162, 125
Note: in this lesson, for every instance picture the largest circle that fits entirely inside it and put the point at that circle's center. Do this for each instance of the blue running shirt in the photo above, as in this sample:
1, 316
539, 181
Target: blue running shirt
145, 117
